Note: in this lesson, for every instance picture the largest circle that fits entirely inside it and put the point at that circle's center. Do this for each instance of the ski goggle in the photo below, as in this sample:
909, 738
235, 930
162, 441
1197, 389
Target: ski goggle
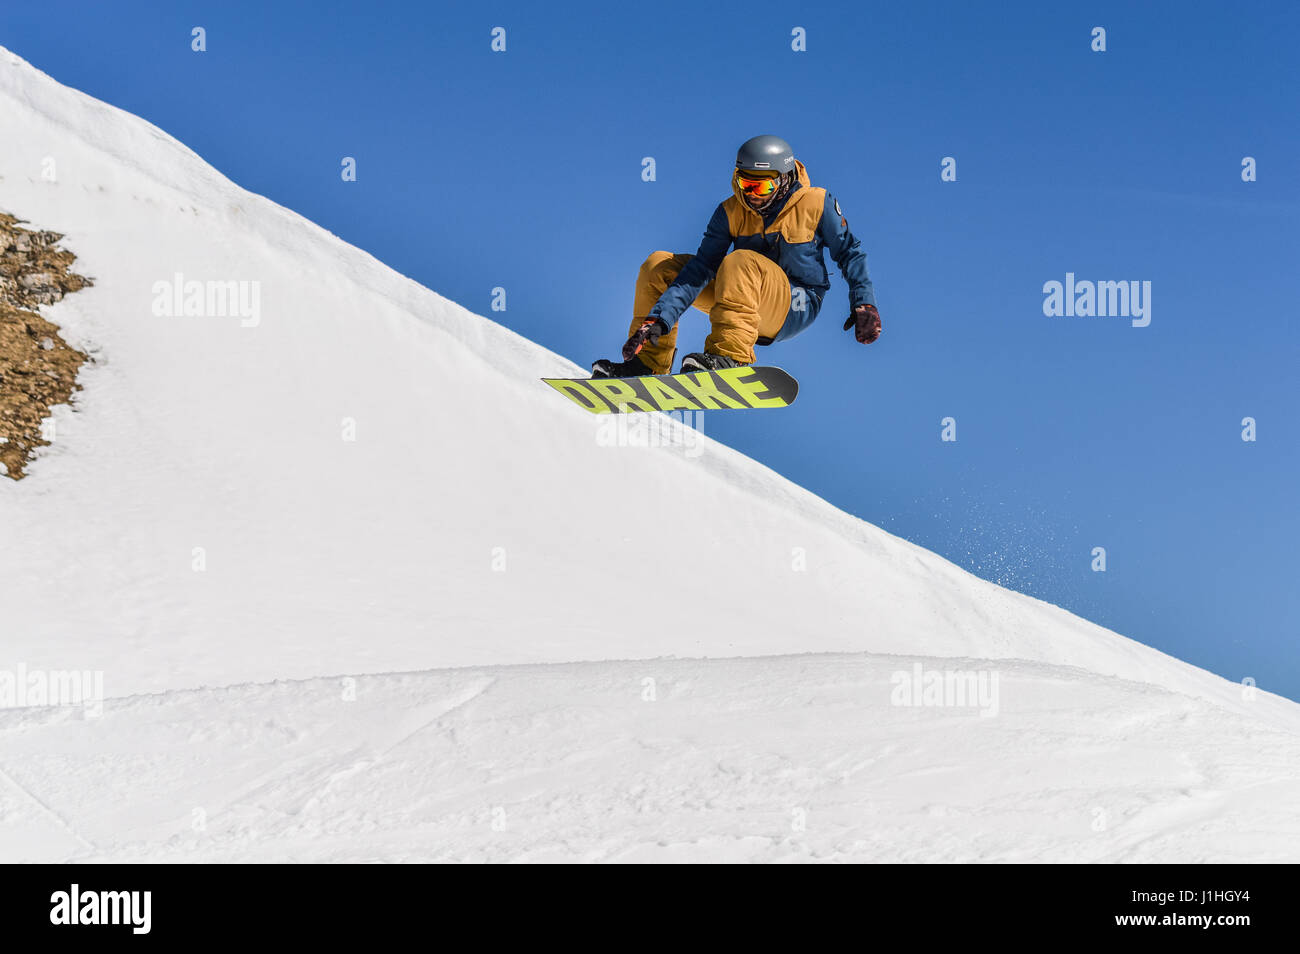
758, 184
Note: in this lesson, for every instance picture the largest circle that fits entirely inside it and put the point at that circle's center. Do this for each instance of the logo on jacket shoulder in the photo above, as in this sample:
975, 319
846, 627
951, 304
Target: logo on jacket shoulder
838, 210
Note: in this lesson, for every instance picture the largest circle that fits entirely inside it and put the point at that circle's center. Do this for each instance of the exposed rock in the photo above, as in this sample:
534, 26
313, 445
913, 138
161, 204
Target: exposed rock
38, 369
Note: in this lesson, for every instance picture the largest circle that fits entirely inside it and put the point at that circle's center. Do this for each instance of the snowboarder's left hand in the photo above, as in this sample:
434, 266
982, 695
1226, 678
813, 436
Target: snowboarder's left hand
648, 333
865, 321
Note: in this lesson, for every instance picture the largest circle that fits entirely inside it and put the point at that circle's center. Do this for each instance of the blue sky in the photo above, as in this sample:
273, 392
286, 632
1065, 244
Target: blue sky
522, 169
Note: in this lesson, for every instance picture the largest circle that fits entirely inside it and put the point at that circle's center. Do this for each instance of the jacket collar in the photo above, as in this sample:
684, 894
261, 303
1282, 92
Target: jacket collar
769, 216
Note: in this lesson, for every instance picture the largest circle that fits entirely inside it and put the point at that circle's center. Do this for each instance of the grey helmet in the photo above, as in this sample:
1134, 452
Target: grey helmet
765, 152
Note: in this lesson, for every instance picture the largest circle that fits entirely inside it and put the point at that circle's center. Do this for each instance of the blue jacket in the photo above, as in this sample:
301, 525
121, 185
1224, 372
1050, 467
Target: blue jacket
793, 235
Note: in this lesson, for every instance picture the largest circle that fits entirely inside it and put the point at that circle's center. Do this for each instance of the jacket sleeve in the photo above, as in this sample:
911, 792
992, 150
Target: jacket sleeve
698, 272
847, 252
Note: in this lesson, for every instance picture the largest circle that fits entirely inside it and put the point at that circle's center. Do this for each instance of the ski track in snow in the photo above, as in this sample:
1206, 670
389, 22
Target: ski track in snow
492, 722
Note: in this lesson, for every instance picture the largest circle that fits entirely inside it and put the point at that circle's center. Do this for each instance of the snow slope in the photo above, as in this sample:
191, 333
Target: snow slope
787, 758
472, 523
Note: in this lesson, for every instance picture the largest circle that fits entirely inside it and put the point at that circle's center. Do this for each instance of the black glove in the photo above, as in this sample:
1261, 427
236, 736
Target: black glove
649, 332
867, 322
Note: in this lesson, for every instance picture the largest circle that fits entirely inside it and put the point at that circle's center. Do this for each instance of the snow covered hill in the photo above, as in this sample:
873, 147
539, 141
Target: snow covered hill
339, 486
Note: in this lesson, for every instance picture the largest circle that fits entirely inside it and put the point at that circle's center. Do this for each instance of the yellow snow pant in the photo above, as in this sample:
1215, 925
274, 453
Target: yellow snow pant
748, 299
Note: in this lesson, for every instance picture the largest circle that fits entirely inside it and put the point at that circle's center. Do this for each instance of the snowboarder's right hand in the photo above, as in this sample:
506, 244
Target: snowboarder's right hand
649, 332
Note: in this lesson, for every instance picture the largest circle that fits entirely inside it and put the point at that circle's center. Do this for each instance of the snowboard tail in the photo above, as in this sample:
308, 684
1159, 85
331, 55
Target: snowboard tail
743, 388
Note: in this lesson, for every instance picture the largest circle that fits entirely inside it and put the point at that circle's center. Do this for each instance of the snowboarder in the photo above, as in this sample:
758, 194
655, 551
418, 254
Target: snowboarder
768, 288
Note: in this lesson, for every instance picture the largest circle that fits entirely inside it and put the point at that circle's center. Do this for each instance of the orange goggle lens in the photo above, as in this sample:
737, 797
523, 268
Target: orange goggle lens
756, 185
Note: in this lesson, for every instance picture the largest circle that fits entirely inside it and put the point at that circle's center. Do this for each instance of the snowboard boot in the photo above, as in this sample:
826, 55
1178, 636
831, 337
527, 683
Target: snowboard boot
633, 367
704, 361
